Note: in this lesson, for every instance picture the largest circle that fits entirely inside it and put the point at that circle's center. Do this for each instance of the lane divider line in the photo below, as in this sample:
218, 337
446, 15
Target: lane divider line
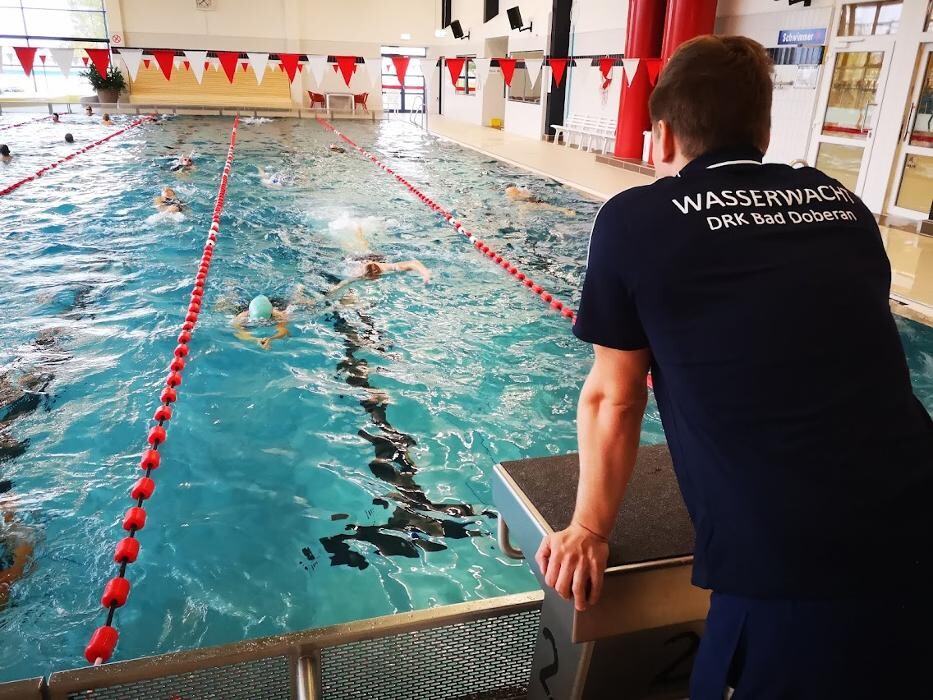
42, 171
30, 121
458, 226
104, 639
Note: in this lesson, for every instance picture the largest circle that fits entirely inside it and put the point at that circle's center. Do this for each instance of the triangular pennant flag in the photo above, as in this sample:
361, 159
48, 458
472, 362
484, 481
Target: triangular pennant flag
100, 58
507, 65
347, 65
147, 62
26, 56
244, 65
630, 66
374, 68
63, 59
207, 64
482, 70
289, 64
43, 57
317, 64
301, 67
401, 67
197, 60
533, 66
85, 59
186, 64
166, 61
228, 61
427, 67
654, 69
605, 66
558, 66
258, 61
455, 66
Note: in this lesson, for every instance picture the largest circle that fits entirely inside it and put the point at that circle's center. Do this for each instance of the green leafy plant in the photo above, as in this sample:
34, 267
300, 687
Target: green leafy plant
114, 79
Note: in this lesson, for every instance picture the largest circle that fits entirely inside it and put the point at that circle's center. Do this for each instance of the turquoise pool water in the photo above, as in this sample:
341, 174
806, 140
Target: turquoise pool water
342, 474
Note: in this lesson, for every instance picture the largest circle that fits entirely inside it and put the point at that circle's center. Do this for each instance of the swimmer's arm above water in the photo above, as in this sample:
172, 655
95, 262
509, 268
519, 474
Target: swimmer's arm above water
409, 266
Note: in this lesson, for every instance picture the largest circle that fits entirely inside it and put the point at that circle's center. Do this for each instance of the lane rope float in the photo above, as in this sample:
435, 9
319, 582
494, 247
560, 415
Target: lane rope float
481, 246
30, 121
42, 171
104, 639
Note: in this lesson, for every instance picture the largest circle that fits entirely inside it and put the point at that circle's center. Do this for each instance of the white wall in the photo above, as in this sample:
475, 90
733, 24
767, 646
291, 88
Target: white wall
792, 109
598, 27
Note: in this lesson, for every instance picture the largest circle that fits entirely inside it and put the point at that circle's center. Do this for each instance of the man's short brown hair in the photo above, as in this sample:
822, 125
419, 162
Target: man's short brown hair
714, 93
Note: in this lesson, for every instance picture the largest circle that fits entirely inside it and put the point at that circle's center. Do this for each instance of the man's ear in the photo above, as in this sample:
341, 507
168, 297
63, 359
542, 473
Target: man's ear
667, 149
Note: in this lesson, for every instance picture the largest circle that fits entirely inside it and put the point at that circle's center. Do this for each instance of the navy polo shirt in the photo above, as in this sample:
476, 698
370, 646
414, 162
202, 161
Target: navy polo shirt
804, 458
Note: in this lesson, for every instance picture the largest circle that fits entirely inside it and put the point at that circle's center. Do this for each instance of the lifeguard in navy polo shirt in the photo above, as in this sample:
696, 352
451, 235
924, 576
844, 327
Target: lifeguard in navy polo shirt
758, 296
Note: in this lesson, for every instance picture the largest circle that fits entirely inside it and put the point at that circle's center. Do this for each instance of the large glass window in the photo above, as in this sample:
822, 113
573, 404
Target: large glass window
48, 24
522, 89
852, 95
870, 18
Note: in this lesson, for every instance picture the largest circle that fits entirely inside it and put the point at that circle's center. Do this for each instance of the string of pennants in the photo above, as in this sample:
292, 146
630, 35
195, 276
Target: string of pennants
293, 63
558, 67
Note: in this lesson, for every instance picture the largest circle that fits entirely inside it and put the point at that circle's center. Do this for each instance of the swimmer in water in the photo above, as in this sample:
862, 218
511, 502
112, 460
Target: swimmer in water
168, 202
5, 154
374, 269
270, 179
337, 149
15, 545
184, 164
261, 310
55, 118
69, 138
106, 120
88, 111
520, 195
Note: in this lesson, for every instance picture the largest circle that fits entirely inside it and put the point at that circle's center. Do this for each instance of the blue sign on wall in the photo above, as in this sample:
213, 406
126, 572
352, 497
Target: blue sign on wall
801, 36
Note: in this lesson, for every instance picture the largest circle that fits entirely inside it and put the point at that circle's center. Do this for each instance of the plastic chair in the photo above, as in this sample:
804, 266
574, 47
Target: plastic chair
317, 98
361, 100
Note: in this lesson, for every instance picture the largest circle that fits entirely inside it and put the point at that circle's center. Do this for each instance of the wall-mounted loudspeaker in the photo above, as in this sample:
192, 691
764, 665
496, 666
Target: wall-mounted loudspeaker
457, 29
515, 20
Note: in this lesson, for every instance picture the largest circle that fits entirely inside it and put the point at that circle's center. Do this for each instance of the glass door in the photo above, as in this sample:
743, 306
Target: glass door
848, 108
913, 195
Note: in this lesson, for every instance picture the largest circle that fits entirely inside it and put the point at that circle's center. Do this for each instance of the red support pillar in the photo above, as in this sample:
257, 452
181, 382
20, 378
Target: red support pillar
686, 19
643, 35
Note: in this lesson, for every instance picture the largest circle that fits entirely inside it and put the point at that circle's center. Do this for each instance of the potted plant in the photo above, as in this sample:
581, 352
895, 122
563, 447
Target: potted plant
108, 86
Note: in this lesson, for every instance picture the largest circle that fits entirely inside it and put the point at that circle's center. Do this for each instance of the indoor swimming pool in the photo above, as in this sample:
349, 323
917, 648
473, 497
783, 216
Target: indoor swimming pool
339, 475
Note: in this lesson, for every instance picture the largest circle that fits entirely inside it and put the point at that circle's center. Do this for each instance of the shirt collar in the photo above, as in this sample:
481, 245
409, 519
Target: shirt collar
722, 157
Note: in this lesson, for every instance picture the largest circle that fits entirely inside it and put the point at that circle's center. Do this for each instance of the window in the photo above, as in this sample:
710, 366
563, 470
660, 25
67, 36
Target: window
466, 84
407, 97
490, 9
929, 24
49, 24
870, 18
522, 89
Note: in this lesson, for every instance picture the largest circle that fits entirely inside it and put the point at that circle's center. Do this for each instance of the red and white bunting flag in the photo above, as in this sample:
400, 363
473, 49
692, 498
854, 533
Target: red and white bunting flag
347, 66
63, 59
289, 64
166, 60
533, 66
317, 64
100, 58
558, 67
131, 58
482, 71
455, 66
26, 56
374, 69
507, 66
197, 60
654, 69
401, 67
258, 61
630, 66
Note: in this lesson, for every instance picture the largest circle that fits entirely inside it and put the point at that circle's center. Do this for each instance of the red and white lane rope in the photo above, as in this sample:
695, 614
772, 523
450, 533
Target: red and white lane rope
104, 639
493, 255
30, 121
42, 171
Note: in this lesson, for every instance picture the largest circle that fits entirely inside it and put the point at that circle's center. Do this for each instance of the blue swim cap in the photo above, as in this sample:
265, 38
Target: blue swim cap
260, 308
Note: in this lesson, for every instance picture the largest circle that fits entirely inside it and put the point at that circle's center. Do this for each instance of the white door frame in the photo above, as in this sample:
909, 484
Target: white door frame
906, 149
838, 45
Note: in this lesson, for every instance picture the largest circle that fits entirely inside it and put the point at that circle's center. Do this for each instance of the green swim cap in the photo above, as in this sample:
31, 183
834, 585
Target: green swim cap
260, 308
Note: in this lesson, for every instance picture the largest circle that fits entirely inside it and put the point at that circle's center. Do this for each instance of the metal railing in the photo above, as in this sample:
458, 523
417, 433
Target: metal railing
420, 110
476, 649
